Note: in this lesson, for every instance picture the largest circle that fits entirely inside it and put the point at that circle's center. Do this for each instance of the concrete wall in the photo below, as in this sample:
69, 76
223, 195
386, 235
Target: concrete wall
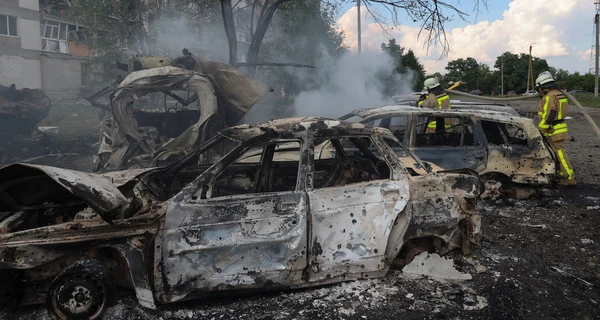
20, 56
61, 76
30, 4
29, 32
11, 71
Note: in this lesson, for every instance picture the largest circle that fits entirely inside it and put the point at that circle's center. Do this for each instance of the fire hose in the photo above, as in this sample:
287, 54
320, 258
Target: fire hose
579, 106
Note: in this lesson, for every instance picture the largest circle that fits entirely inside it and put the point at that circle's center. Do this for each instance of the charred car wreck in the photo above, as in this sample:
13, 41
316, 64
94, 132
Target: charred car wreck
507, 150
21, 110
200, 97
274, 212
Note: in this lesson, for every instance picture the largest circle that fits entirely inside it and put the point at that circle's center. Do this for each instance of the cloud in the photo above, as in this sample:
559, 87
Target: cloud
555, 26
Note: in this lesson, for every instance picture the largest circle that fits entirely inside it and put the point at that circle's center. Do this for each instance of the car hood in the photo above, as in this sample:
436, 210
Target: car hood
36, 184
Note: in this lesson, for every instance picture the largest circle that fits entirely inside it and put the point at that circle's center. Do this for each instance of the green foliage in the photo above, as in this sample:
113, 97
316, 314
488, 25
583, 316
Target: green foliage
587, 100
404, 64
577, 81
111, 25
463, 70
516, 68
302, 32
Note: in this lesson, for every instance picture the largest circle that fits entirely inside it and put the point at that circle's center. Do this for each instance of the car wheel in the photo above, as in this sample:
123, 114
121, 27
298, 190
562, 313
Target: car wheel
83, 290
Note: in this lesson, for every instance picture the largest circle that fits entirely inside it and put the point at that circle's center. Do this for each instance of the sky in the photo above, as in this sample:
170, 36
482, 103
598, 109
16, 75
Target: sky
561, 30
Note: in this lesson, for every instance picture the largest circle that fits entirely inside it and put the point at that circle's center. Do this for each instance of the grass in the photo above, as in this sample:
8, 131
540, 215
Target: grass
587, 100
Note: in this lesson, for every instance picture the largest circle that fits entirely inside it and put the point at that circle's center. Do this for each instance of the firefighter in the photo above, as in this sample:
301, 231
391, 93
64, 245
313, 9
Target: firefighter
436, 98
552, 110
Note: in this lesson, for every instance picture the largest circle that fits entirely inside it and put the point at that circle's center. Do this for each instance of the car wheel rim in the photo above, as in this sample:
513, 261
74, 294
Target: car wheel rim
79, 296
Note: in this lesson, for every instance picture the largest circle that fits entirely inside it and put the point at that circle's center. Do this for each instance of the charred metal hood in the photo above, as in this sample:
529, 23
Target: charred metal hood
97, 191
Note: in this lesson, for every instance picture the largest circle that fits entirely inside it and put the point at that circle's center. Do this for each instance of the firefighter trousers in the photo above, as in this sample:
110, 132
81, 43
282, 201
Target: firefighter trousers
565, 170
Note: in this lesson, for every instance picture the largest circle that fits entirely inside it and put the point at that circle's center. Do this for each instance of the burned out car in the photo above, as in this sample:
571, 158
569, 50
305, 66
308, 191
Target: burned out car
500, 146
270, 214
21, 110
160, 114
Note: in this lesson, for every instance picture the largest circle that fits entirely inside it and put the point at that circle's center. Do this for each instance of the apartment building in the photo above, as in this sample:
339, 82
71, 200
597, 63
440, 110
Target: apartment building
38, 48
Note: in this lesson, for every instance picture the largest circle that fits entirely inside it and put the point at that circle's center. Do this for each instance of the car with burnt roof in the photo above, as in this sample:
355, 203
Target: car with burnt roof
503, 147
286, 204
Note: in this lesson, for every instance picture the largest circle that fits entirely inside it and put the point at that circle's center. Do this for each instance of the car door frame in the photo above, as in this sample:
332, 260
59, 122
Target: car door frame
390, 196
246, 272
479, 150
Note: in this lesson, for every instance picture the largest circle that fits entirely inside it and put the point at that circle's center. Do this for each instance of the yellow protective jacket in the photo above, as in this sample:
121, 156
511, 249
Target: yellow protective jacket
441, 101
553, 100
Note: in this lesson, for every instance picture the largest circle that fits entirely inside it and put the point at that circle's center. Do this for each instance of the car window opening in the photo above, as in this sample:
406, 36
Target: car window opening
343, 161
166, 115
499, 133
269, 168
440, 131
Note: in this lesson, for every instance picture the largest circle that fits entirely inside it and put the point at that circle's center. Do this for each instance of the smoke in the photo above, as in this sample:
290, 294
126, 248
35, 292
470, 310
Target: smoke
352, 82
178, 32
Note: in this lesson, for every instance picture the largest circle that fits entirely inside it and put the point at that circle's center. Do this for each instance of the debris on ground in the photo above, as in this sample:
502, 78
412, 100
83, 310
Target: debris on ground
431, 265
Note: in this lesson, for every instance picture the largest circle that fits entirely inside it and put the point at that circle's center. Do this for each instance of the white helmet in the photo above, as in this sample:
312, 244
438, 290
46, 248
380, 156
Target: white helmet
430, 83
544, 78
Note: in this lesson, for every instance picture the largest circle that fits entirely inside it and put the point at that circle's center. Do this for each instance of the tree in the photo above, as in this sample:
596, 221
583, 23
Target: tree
404, 64
411, 62
577, 81
516, 68
559, 74
261, 15
116, 29
464, 70
302, 32
432, 14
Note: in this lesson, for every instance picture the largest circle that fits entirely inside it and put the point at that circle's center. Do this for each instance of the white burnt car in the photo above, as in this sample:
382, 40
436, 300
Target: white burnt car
272, 213
505, 149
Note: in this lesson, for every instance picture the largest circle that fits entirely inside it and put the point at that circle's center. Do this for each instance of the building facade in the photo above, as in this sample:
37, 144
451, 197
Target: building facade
38, 49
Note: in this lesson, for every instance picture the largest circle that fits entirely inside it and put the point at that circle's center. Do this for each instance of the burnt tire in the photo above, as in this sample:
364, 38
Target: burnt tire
82, 290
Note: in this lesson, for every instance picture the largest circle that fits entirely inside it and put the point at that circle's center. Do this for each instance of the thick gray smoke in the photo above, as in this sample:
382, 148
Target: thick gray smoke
353, 81
176, 33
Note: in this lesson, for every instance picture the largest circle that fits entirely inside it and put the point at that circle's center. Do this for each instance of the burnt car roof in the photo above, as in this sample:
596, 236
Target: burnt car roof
299, 124
489, 114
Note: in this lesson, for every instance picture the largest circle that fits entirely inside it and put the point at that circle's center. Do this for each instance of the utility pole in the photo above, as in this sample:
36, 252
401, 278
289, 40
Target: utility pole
502, 77
358, 10
597, 40
530, 71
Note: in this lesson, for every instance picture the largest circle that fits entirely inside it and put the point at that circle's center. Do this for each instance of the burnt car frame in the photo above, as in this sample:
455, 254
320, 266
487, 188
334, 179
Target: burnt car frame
140, 132
244, 222
500, 146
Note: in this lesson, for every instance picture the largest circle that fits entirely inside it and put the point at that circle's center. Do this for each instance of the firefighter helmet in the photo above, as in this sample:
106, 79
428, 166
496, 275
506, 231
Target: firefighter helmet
543, 78
430, 83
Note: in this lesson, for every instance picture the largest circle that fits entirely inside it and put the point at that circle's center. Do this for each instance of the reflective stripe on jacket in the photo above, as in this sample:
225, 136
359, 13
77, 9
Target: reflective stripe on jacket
553, 100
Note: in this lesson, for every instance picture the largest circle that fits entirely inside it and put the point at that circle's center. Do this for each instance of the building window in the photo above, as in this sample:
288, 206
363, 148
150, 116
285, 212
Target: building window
8, 25
54, 36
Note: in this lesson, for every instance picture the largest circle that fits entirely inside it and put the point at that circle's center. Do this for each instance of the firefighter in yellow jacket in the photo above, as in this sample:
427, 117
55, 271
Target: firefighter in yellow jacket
436, 98
552, 110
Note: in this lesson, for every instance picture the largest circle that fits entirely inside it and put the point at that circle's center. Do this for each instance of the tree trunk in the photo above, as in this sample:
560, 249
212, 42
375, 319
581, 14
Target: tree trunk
259, 34
228, 23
